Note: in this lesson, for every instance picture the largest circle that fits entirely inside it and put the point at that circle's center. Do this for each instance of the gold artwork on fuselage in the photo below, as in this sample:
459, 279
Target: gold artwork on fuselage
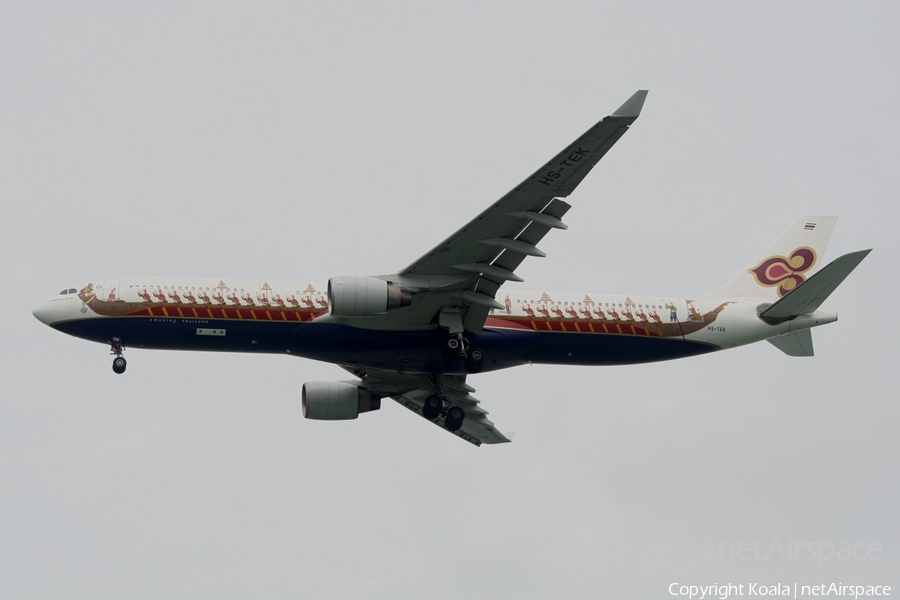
588, 316
219, 302
263, 302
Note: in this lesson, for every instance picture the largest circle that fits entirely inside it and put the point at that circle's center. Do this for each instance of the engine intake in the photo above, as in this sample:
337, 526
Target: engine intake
364, 296
336, 400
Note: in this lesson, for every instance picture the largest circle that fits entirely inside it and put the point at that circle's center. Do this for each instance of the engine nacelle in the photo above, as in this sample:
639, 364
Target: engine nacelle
364, 296
336, 400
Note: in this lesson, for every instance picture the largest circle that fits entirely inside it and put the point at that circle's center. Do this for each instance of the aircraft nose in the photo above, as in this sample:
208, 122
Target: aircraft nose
42, 313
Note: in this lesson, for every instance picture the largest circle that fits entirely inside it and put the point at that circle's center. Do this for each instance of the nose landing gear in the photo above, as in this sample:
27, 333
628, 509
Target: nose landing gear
119, 364
116, 348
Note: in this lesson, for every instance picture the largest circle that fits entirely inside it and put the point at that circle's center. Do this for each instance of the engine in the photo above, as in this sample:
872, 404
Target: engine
364, 296
336, 400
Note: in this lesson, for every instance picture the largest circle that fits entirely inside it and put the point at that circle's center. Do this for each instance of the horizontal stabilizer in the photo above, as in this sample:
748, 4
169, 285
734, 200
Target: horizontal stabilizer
794, 343
810, 294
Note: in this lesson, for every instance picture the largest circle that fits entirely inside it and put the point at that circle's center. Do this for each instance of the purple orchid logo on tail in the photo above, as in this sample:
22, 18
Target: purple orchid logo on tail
786, 272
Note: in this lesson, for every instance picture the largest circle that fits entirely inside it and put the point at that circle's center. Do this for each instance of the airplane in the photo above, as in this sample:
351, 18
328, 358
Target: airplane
415, 336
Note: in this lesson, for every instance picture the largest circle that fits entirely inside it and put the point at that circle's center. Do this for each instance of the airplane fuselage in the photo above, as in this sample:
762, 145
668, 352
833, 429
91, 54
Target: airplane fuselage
292, 317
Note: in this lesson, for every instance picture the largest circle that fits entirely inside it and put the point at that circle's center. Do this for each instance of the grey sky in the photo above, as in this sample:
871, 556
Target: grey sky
299, 141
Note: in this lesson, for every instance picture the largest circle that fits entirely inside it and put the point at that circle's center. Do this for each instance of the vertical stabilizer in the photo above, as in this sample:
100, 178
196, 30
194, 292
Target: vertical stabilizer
785, 263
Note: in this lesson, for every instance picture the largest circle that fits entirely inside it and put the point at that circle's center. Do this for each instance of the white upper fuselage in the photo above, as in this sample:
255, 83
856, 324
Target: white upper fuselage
721, 323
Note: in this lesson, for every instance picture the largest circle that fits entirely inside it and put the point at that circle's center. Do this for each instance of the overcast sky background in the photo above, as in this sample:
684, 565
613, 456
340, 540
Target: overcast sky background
304, 141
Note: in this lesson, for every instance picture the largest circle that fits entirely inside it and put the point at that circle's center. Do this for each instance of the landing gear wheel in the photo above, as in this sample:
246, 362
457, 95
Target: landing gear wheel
451, 349
454, 419
432, 407
116, 348
475, 360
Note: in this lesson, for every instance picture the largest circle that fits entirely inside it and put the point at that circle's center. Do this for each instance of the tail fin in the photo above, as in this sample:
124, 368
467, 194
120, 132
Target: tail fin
785, 263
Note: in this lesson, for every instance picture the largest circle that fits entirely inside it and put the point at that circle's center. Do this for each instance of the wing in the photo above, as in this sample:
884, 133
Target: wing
411, 391
469, 267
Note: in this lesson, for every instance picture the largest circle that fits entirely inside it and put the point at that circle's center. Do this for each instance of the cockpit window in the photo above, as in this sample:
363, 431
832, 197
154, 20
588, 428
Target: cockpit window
68, 291
72, 290
64, 292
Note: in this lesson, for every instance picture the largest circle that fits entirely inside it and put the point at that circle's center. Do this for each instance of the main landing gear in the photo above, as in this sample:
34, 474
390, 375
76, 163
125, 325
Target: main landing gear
116, 348
456, 346
434, 405
453, 415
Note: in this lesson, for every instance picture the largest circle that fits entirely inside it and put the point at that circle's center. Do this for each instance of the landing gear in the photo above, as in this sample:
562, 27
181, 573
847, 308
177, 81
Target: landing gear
434, 407
475, 360
456, 346
454, 419
116, 348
